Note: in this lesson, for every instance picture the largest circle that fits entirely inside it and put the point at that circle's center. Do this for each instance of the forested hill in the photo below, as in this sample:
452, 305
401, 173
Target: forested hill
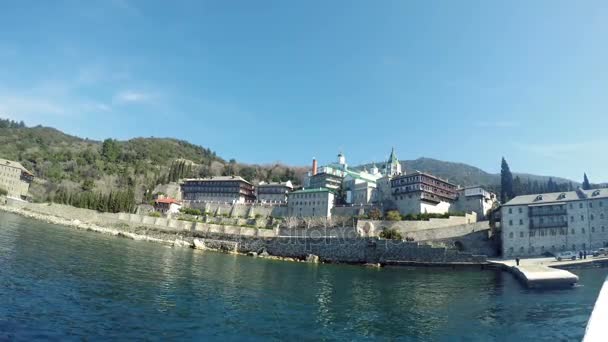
64, 163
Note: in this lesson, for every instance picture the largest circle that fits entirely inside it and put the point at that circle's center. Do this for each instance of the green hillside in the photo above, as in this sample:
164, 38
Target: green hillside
64, 163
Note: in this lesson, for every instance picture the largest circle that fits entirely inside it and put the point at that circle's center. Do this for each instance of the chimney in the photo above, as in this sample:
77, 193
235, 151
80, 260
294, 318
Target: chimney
314, 166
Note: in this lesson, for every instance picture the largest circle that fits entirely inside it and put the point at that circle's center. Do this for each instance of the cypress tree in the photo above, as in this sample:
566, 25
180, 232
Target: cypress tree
506, 182
586, 184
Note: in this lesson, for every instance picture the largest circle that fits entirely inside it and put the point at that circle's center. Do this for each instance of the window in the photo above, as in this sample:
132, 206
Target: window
531, 233
521, 249
571, 218
510, 222
603, 229
570, 205
593, 229
510, 235
572, 231
583, 230
573, 247
521, 234
580, 205
520, 210
590, 204
592, 217
582, 218
601, 215
510, 210
521, 222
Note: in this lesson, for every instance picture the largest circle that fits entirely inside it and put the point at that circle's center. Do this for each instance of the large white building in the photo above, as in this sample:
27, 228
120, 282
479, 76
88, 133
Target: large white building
231, 189
316, 202
420, 192
532, 225
15, 179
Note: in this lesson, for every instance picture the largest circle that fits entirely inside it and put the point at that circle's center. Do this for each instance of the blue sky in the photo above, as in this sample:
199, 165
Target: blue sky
264, 81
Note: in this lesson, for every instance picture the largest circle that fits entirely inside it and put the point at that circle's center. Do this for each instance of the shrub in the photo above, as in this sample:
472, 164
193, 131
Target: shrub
391, 234
3, 192
393, 215
154, 214
375, 214
190, 211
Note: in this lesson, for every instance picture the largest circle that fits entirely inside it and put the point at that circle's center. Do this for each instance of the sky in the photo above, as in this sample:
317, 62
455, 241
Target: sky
265, 81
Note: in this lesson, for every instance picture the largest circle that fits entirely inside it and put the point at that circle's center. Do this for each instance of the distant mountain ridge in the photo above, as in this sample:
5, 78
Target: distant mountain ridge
467, 175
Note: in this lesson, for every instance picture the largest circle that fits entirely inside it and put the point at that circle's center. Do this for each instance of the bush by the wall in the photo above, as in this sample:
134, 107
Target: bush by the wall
393, 215
391, 234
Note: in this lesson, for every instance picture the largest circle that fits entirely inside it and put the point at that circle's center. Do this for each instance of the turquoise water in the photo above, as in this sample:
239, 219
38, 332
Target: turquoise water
61, 284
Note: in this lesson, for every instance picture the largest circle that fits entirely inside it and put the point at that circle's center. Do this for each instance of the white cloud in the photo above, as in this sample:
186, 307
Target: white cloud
130, 96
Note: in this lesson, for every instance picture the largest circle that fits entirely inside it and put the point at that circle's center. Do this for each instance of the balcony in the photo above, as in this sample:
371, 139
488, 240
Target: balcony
545, 211
558, 224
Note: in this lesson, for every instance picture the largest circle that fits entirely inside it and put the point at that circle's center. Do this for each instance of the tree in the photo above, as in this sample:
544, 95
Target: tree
586, 184
506, 182
110, 150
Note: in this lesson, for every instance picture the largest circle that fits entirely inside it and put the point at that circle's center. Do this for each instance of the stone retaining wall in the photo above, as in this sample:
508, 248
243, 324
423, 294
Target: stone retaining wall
344, 247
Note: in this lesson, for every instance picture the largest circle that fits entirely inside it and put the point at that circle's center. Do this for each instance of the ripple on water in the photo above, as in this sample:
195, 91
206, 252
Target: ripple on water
58, 283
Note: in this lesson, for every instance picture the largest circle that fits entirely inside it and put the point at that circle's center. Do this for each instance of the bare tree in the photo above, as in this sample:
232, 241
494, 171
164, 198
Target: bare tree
291, 222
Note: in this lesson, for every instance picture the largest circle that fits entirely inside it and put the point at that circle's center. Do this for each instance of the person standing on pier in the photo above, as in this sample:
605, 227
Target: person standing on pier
517, 261
580, 255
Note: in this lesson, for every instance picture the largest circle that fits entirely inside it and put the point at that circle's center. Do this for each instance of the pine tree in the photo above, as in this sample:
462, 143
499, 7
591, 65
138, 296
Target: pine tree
506, 182
586, 184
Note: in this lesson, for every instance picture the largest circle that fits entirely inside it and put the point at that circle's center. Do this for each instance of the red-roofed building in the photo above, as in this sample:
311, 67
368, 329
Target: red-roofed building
167, 205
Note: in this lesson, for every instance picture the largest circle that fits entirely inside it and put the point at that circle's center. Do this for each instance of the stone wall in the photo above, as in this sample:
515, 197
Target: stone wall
405, 227
350, 211
244, 210
337, 250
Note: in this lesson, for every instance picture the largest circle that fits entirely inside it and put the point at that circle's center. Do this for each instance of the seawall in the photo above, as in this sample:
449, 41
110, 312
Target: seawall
336, 245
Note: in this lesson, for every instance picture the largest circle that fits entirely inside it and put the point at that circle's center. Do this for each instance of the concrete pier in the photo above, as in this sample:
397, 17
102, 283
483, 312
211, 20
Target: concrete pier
597, 331
535, 275
539, 276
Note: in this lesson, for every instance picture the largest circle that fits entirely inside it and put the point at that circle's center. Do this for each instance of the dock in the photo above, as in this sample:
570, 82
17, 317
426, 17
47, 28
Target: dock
537, 275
